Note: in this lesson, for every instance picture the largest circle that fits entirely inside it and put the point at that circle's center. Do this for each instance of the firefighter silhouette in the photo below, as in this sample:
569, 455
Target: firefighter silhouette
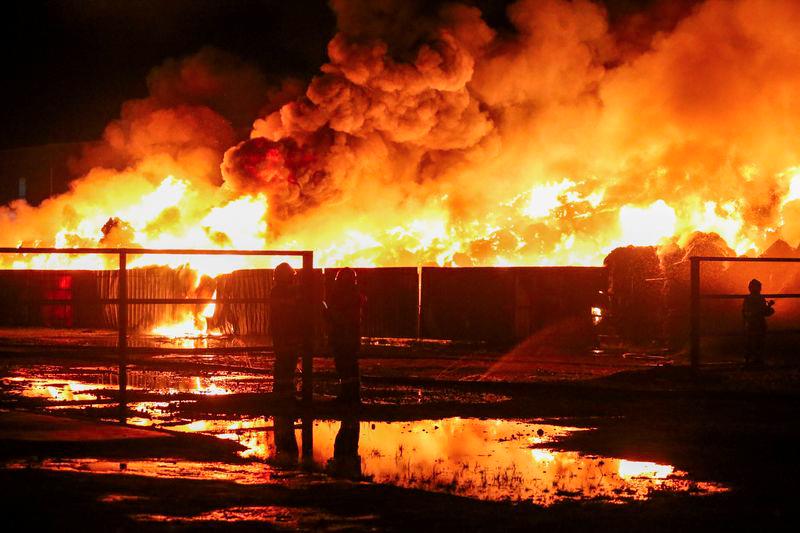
343, 316
284, 327
755, 310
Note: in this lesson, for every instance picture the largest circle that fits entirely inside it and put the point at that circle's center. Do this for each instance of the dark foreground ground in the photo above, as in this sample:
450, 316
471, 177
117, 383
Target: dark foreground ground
724, 424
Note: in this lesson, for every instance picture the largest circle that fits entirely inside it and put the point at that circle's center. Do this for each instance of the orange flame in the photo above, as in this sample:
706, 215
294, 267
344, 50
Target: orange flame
548, 145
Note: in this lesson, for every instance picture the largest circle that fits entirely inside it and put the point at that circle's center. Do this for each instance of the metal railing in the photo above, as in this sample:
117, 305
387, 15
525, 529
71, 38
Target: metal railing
696, 296
122, 301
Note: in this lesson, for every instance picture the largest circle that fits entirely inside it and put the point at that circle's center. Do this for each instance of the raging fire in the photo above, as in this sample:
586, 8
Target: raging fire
550, 145
434, 238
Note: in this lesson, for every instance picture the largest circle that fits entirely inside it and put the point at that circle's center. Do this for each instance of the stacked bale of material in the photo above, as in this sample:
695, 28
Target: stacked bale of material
635, 292
782, 278
677, 270
252, 319
148, 283
241, 318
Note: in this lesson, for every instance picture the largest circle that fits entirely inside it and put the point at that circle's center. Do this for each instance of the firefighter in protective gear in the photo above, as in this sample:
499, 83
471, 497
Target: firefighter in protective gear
343, 316
284, 327
755, 310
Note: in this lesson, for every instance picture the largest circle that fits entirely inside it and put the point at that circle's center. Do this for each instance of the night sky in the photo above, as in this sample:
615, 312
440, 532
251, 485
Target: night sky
69, 64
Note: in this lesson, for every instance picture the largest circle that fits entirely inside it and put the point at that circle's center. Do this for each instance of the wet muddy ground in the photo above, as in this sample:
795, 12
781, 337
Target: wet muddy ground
651, 447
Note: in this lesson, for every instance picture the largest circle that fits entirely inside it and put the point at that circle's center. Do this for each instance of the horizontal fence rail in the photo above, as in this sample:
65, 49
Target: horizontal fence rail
707, 258
695, 296
151, 251
122, 301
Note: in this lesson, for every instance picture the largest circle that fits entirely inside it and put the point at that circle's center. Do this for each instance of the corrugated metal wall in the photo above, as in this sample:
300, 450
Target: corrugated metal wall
496, 305
243, 319
253, 319
392, 300
547, 295
474, 304
149, 282
502, 305
23, 290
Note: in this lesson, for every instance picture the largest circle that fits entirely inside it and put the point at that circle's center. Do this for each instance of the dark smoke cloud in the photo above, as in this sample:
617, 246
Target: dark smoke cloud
198, 106
214, 79
685, 99
425, 108
366, 114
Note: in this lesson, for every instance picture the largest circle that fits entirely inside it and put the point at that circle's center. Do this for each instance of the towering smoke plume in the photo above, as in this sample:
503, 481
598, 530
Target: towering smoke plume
580, 128
430, 137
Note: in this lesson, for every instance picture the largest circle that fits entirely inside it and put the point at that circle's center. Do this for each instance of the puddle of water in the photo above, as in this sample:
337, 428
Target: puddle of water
288, 518
55, 389
121, 498
280, 516
392, 395
484, 459
247, 473
58, 386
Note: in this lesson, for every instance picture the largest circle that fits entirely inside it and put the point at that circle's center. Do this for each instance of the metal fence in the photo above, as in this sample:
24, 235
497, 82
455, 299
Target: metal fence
123, 301
697, 296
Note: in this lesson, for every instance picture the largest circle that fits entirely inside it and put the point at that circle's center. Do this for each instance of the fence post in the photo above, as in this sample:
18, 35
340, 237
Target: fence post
419, 303
122, 323
308, 337
694, 326
307, 436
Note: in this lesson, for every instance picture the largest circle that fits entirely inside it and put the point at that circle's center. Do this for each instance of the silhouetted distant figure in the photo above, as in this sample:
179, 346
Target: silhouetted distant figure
343, 315
284, 327
285, 440
755, 310
346, 462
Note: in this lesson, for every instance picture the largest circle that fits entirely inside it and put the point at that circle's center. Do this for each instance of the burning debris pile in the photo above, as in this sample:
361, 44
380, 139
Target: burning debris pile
648, 289
431, 138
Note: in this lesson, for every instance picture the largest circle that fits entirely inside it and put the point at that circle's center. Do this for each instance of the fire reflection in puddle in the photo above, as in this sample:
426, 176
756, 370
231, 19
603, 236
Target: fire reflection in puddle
91, 385
245, 473
504, 460
485, 459
281, 516
59, 390
121, 498
285, 518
